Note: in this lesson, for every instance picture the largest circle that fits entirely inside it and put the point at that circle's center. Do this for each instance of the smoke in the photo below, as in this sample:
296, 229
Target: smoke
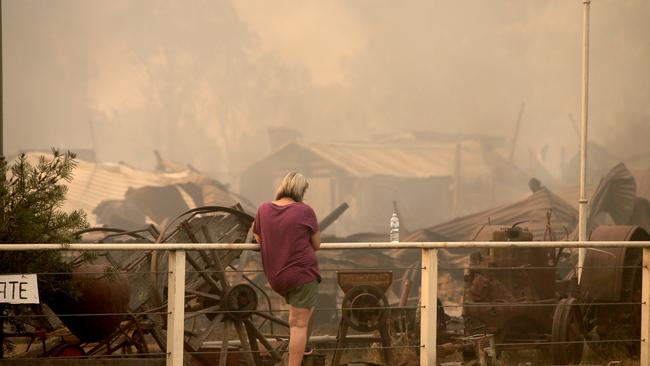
201, 81
319, 37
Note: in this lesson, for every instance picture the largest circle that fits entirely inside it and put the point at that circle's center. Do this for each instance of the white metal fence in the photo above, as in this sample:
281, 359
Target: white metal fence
429, 281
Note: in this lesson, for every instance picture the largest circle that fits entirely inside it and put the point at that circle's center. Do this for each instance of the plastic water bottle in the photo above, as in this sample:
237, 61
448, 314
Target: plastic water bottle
394, 228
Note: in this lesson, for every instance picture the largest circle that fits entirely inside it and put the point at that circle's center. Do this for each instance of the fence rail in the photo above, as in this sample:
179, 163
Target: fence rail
328, 246
176, 274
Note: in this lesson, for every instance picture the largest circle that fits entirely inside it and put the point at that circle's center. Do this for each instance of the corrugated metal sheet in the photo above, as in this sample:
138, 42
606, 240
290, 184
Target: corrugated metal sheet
615, 194
641, 176
96, 182
643, 182
409, 161
532, 210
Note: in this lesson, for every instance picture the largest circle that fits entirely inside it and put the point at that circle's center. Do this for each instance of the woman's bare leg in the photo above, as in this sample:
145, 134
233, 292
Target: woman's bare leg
298, 324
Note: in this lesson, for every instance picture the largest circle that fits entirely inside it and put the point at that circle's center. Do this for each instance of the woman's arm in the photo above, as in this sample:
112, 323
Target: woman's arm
315, 240
258, 238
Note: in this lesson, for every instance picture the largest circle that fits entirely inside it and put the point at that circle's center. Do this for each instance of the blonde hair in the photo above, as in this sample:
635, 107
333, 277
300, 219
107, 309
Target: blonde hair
293, 186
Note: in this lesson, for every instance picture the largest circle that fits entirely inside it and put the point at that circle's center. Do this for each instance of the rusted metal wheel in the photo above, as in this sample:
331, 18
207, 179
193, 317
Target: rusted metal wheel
240, 301
221, 302
218, 297
613, 327
567, 333
609, 324
365, 307
111, 235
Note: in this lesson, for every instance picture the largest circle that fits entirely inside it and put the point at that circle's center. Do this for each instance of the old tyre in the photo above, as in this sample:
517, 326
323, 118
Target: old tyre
567, 333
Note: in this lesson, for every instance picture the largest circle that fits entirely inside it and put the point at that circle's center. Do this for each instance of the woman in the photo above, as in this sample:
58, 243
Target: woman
288, 234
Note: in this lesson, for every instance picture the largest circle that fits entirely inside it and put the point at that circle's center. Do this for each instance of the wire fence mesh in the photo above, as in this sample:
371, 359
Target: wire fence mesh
141, 331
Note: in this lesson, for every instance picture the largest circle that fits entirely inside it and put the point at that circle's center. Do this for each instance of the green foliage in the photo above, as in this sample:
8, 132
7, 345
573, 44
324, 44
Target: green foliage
31, 197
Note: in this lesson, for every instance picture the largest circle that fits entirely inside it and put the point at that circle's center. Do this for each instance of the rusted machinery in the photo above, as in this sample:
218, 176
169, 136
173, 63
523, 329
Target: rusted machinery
511, 292
127, 292
98, 294
517, 295
364, 309
620, 269
220, 301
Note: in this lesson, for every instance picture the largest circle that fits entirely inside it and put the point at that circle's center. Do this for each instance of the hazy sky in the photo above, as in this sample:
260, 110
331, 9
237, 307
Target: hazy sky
203, 80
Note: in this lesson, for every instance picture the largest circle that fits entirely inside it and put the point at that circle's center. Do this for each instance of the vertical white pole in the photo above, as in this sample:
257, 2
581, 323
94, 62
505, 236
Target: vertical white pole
429, 311
645, 309
457, 181
175, 307
582, 208
2, 150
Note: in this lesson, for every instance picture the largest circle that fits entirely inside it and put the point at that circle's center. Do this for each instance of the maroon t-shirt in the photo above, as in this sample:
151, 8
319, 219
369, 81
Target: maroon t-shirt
288, 258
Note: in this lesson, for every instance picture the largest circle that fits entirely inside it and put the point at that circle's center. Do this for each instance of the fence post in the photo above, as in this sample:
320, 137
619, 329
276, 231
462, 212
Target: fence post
645, 308
429, 311
175, 307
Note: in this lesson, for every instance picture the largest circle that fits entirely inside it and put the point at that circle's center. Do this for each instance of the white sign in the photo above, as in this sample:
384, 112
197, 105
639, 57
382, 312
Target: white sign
19, 289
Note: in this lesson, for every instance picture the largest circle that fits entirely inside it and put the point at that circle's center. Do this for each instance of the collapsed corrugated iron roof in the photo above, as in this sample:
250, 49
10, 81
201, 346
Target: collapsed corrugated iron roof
616, 201
531, 212
100, 188
615, 195
643, 182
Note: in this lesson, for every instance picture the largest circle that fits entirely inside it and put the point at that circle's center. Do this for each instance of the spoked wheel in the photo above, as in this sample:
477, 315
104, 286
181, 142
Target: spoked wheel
123, 260
218, 297
115, 235
220, 303
567, 333
239, 306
